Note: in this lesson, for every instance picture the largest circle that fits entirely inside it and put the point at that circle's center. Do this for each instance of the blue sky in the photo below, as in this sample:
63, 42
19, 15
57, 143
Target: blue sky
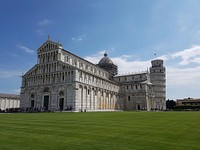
131, 31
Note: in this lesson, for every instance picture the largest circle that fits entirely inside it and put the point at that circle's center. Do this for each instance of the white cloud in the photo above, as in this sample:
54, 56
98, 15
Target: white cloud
196, 60
188, 55
183, 76
177, 74
26, 49
126, 66
44, 22
163, 57
123, 62
93, 59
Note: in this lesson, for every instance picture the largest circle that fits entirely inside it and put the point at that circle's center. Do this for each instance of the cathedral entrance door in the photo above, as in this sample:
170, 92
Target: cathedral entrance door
138, 107
32, 103
46, 102
61, 103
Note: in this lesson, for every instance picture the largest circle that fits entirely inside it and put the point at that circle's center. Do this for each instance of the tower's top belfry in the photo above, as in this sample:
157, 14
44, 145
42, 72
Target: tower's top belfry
157, 63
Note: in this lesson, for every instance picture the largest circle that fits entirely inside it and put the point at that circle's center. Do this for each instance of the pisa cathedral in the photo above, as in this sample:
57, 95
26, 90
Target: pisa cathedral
62, 80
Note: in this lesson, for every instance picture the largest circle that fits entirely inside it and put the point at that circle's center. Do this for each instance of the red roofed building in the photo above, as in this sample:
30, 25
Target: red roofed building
188, 101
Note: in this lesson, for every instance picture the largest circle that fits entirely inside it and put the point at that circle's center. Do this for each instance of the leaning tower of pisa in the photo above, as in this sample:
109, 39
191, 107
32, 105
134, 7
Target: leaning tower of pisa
158, 79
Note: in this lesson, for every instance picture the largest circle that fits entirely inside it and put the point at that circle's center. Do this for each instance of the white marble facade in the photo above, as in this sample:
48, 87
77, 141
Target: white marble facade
9, 101
64, 81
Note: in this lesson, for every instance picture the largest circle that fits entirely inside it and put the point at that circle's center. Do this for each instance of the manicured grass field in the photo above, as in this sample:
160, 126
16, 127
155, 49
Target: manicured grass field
100, 130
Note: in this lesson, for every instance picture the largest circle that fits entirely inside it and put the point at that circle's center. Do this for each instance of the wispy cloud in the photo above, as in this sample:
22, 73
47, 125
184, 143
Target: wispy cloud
40, 32
188, 55
44, 22
78, 39
26, 49
4, 74
13, 55
41, 24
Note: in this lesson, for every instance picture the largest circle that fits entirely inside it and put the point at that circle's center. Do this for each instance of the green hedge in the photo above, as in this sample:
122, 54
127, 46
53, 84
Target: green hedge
187, 107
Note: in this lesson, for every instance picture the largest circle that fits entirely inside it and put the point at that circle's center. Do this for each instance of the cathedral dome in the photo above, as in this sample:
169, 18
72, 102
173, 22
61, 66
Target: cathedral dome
107, 64
105, 60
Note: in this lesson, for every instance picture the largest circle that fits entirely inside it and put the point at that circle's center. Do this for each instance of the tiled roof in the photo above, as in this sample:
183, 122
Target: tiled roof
132, 73
189, 100
11, 96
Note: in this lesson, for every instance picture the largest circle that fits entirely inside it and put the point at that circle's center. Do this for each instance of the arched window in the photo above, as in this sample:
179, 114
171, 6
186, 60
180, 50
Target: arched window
46, 89
61, 93
32, 95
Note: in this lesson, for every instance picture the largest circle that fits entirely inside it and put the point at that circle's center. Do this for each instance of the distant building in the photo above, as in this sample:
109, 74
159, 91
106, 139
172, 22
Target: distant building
64, 81
188, 102
9, 101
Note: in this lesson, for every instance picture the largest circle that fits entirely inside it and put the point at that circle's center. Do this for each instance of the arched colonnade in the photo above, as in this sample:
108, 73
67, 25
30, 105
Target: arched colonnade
92, 98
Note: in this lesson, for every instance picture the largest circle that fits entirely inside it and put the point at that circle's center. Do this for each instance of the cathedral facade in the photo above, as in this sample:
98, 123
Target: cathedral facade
64, 81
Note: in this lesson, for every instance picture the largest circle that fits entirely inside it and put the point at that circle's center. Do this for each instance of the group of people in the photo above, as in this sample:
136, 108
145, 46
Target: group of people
31, 110
25, 110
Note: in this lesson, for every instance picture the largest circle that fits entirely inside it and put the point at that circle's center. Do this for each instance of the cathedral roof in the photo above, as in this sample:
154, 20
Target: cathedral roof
105, 60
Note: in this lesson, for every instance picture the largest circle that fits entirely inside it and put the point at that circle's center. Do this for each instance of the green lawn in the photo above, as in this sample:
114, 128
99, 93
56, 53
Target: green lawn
100, 130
